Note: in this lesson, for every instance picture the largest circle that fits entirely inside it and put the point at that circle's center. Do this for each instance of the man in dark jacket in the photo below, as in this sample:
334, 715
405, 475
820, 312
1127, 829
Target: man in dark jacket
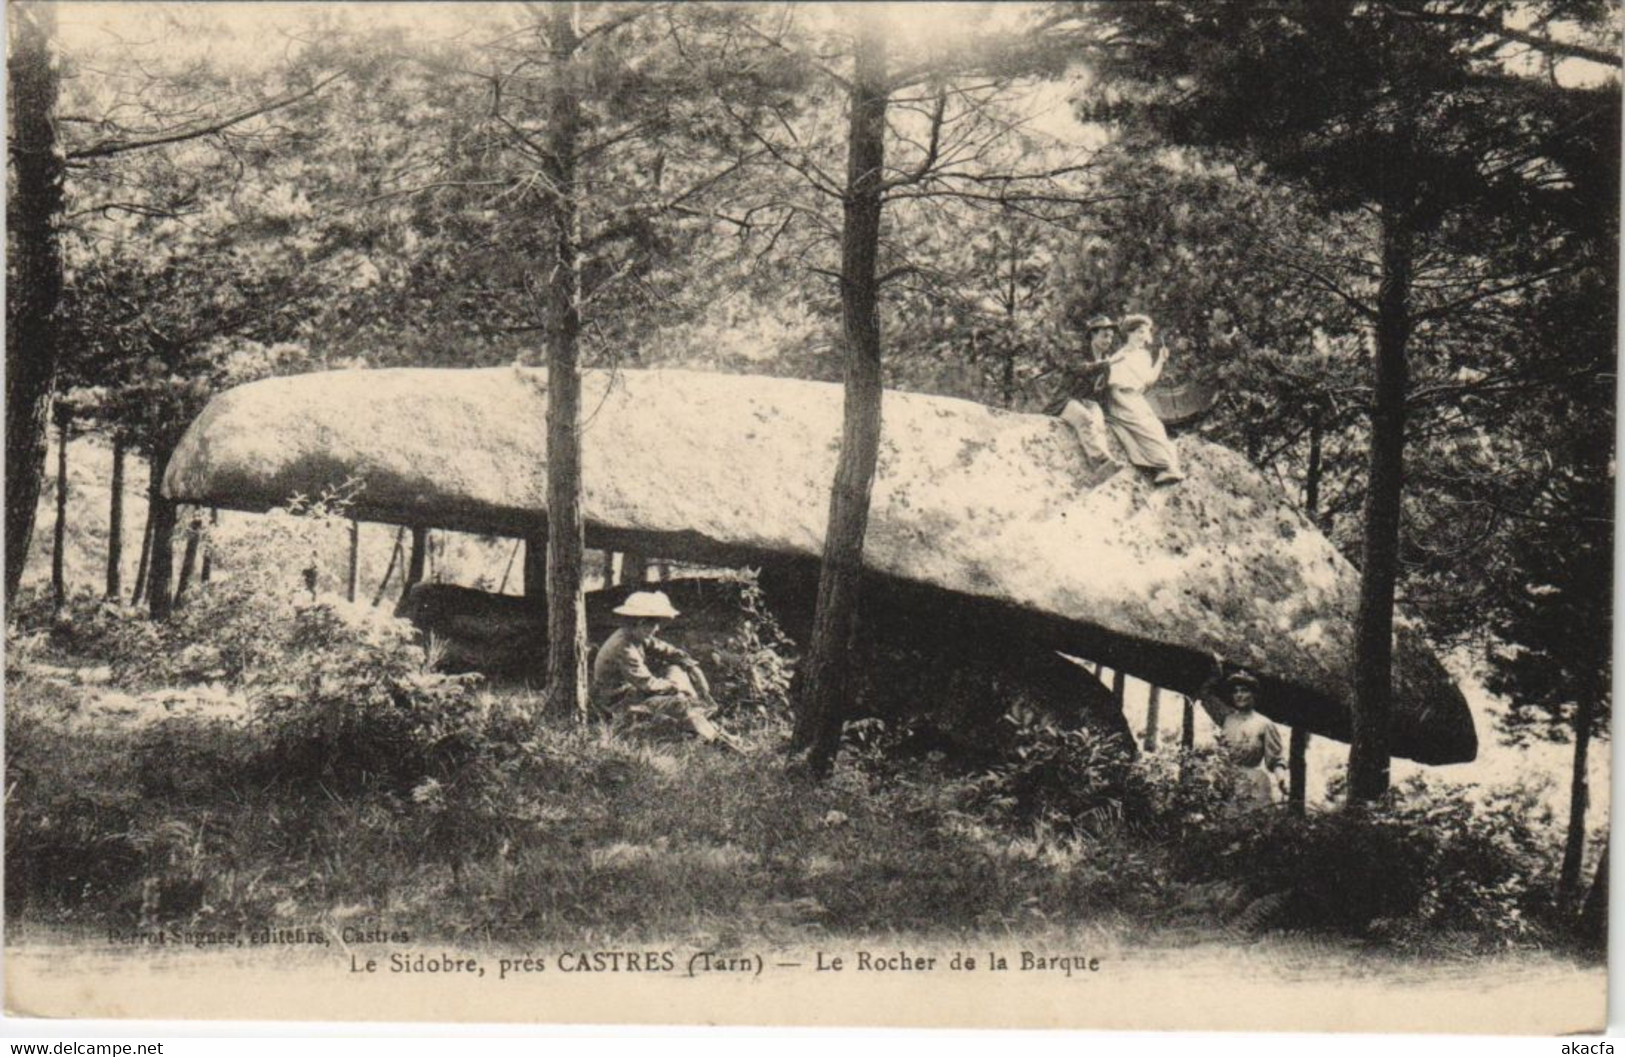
627, 690
1083, 388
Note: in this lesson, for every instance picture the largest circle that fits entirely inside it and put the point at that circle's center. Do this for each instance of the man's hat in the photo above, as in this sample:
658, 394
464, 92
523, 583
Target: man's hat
646, 605
1100, 323
1242, 677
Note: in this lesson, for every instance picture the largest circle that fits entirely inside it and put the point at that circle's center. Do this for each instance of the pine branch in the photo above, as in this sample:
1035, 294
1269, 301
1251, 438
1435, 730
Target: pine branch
109, 147
1497, 28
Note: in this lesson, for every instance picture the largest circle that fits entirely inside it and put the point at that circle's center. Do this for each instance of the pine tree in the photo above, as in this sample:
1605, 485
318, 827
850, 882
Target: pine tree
1418, 120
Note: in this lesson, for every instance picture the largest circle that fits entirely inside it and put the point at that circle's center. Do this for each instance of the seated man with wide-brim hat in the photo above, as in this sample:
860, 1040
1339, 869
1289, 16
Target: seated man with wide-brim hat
625, 688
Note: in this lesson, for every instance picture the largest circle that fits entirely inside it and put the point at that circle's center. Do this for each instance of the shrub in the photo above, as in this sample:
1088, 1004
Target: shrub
1424, 864
752, 669
87, 627
353, 704
1071, 781
240, 623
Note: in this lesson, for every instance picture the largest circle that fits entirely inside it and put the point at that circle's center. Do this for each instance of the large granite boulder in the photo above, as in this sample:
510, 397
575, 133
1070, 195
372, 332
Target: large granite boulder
998, 512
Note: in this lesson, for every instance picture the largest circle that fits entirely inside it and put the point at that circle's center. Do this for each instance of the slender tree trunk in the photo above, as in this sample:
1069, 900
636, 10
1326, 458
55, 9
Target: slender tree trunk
1297, 770
207, 571
352, 582
1311, 478
1153, 717
507, 570
566, 605
415, 565
609, 568
1593, 923
1007, 375
115, 524
140, 591
161, 568
1120, 690
389, 569
34, 212
1568, 883
1187, 732
194, 536
59, 532
824, 689
1297, 767
535, 568
1379, 564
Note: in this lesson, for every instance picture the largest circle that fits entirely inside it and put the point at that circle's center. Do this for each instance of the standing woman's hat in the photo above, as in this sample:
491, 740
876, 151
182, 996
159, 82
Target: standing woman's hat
1242, 678
1134, 322
646, 605
1100, 323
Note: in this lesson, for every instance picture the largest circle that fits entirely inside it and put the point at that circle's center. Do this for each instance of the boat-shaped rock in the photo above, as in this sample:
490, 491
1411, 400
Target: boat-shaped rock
981, 518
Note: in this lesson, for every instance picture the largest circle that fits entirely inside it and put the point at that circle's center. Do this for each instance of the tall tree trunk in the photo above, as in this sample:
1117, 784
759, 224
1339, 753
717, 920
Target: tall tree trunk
1120, 691
1297, 766
1153, 717
1007, 374
535, 568
1297, 770
34, 210
1187, 732
207, 571
352, 582
415, 564
1379, 555
161, 567
1593, 923
194, 536
140, 591
389, 569
821, 702
507, 570
1312, 475
59, 532
115, 524
609, 568
1568, 883
566, 605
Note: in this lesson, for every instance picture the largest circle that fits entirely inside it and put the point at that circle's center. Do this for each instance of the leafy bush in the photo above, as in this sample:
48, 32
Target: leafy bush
352, 703
753, 667
88, 627
1067, 780
1424, 864
240, 624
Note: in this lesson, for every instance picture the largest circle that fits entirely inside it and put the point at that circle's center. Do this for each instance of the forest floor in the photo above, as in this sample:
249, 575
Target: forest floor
160, 868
